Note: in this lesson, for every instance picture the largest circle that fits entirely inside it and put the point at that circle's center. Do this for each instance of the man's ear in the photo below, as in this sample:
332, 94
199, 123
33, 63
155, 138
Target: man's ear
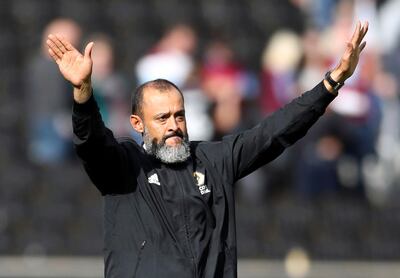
137, 123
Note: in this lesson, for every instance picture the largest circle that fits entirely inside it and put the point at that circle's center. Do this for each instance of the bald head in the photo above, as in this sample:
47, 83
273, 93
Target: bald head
161, 85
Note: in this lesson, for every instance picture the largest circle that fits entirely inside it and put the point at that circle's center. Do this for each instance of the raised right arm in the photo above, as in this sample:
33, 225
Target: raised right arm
104, 159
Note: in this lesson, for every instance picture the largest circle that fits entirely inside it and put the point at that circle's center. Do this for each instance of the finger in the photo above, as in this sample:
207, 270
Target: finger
54, 48
56, 39
67, 44
356, 33
60, 43
51, 42
88, 50
54, 56
362, 46
364, 31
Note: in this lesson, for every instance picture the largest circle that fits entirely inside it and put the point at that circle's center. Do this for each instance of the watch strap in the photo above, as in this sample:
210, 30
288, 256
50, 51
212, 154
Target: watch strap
335, 85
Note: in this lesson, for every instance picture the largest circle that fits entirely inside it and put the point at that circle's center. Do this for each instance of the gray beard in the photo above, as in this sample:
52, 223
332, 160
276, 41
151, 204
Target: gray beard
165, 153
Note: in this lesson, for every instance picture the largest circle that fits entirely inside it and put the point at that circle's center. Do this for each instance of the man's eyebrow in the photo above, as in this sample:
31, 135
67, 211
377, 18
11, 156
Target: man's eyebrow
161, 114
180, 112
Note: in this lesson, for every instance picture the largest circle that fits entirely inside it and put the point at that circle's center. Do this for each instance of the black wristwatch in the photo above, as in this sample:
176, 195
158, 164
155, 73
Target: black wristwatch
335, 85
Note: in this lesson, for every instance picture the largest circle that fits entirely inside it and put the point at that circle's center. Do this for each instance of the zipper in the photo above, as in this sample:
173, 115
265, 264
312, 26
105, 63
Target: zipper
185, 217
139, 257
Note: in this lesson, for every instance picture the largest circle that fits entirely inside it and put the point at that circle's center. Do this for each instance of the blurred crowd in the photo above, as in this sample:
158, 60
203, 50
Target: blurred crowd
235, 62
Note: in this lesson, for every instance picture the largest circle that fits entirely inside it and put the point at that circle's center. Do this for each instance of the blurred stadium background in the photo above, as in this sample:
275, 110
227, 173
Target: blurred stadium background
328, 207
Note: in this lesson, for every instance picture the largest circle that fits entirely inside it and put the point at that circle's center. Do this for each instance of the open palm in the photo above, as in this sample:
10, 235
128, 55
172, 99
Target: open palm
349, 60
75, 67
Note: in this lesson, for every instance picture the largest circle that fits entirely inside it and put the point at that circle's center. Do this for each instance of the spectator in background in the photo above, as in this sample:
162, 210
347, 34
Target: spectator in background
316, 168
319, 12
360, 109
226, 83
197, 109
109, 87
382, 171
280, 61
49, 128
231, 89
314, 60
172, 58
279, 65
389, 22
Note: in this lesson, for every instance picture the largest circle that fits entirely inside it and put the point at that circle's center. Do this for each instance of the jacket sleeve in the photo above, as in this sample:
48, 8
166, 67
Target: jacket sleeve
104, 159
247, 151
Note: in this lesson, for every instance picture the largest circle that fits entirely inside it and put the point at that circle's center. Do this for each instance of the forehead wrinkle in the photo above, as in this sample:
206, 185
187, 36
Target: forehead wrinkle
154, 99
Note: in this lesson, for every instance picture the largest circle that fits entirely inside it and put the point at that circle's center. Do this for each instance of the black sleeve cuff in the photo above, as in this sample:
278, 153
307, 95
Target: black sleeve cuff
84, 108
323, 97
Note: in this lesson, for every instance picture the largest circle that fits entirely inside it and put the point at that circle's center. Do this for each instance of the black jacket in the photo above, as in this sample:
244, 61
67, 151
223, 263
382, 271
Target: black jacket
179, 221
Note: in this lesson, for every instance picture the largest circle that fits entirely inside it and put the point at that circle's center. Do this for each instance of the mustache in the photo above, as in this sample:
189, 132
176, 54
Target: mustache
178, 133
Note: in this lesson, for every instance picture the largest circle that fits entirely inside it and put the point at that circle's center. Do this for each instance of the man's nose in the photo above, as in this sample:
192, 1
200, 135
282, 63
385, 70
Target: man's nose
172, 124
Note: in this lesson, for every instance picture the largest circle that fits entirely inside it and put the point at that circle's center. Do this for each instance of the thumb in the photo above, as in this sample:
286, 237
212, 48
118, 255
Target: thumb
88, 50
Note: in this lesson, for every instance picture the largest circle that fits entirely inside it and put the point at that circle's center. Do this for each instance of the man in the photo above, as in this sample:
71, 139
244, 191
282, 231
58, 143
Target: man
169, 204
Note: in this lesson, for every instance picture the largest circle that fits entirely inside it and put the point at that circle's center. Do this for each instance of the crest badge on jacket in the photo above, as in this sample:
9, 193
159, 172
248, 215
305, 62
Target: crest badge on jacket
200, 182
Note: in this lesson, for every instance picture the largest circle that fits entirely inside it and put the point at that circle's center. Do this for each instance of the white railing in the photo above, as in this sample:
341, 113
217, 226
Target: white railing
92, 267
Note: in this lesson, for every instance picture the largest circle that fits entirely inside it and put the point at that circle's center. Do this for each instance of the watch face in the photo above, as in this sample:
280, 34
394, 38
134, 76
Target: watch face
337, 86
